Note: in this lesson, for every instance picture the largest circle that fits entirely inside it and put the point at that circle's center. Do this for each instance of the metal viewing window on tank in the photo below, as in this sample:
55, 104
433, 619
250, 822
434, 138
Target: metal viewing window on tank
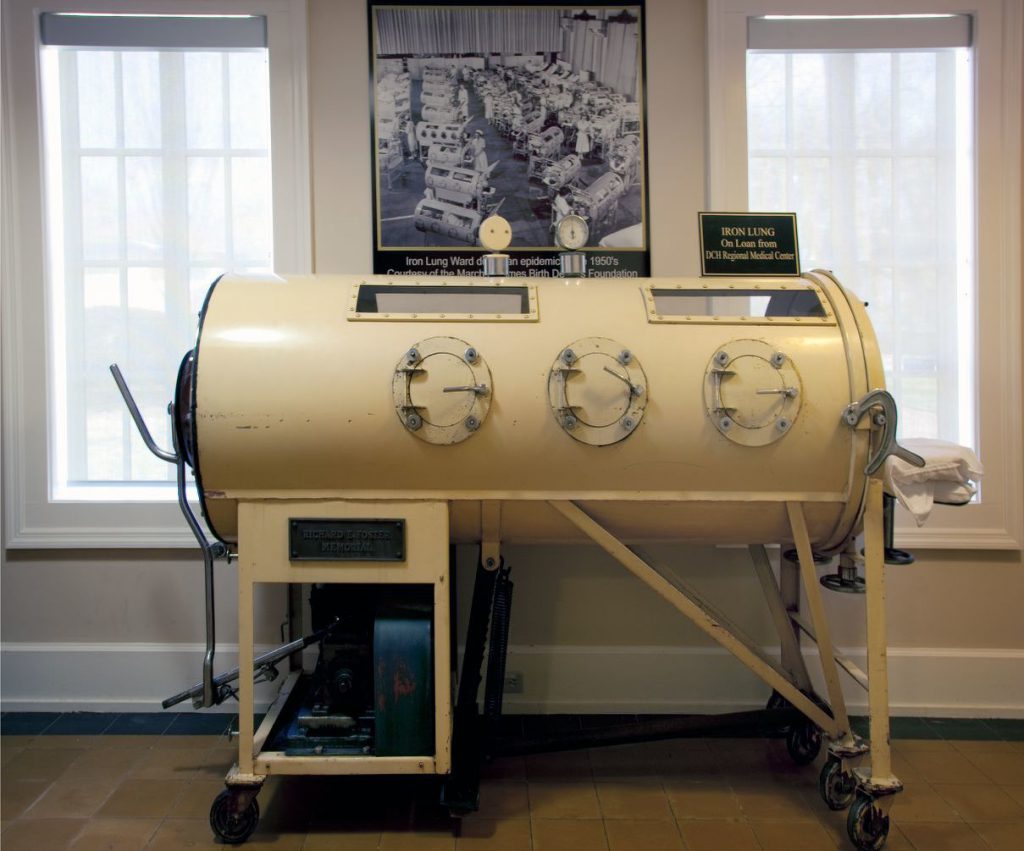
796, 303
463, 302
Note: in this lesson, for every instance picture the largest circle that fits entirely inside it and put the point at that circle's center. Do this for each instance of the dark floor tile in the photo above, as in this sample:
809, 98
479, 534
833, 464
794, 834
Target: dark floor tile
199, 723
1009, 729
970, 729
912, 728
26, 723
140, 724
81, 724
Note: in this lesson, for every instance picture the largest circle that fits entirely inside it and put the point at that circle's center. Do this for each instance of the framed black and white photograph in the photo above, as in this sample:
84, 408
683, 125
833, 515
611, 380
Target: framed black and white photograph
530, 112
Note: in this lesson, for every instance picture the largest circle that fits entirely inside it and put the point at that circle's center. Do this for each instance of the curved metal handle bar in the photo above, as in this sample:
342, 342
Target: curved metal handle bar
634, 389
886, 419
211, 695
140, 423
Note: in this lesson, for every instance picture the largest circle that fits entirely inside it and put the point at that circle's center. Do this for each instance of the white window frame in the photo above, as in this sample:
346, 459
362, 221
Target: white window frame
996, 522
32, 520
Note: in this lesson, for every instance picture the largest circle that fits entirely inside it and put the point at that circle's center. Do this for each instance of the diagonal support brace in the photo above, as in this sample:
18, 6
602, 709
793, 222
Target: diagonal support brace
711, 627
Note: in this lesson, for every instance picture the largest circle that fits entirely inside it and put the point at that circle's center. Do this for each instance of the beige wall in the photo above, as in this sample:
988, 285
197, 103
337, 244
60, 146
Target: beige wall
586, 634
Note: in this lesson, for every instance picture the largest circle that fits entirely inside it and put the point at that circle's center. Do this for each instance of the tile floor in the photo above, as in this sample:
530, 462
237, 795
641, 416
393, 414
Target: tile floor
130, 791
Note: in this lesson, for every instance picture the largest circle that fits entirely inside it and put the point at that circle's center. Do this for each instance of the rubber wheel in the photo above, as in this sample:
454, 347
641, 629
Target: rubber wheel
776, 703
232, 827
803, 741
837, 787
866, 826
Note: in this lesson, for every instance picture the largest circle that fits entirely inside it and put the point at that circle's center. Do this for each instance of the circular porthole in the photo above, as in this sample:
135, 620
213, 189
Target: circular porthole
752, 392
597, 390
442, 390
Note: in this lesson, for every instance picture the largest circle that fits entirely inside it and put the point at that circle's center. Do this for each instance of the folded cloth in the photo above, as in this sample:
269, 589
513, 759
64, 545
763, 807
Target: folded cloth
949, 476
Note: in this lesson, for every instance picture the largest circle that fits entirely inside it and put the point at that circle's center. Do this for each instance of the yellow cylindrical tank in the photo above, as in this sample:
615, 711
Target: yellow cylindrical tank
658, 405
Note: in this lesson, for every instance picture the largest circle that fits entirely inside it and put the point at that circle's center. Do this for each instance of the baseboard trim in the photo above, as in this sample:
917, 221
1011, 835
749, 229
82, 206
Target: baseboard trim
109, 677
924, 681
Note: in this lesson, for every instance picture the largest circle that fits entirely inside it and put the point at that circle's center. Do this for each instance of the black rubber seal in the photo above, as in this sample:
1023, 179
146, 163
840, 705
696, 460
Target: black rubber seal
196, 466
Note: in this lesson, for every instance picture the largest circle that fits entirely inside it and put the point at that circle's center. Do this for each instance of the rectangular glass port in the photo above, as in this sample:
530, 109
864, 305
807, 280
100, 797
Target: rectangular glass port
700, 303
434, 302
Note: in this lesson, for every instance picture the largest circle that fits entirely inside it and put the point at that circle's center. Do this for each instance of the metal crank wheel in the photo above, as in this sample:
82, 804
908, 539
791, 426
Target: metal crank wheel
837, 787
232, 826
866, 825
803, 741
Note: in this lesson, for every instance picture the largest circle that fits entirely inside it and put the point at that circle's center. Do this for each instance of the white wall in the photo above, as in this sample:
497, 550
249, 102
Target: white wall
121, 630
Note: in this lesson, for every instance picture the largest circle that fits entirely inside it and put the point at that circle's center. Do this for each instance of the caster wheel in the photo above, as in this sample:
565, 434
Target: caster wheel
776, 703
837, 787
866, 825
803, 741
233, 827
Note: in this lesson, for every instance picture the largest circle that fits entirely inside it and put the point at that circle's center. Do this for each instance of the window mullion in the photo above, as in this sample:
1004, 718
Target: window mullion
946, 271
842, 183
229, 235
175, 189
895, 375
122, 255
790, 200
71, 289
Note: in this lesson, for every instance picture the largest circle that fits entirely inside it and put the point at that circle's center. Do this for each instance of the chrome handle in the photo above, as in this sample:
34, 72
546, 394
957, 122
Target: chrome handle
789, 392
479, 389
140, 423
634, 389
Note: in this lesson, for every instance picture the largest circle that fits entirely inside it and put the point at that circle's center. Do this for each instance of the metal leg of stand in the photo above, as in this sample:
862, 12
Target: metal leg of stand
497, 654
880, 778
789, 636
822, 632
461, 793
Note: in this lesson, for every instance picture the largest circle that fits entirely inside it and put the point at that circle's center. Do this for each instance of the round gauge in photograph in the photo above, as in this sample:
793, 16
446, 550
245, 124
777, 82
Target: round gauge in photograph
572, 232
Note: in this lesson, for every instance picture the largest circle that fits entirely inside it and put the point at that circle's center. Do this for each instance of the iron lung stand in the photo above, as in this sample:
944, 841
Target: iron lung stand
417, 722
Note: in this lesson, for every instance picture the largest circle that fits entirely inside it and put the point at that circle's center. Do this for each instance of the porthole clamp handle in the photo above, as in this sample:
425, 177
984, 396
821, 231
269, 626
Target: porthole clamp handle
884, 416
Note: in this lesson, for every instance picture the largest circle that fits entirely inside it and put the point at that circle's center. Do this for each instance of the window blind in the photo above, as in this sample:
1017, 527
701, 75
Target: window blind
153, 32
861, 33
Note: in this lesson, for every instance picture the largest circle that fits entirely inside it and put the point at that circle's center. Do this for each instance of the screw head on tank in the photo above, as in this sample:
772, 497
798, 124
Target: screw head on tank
413, 422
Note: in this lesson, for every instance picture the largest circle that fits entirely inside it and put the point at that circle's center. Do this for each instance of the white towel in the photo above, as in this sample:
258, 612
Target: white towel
949, 476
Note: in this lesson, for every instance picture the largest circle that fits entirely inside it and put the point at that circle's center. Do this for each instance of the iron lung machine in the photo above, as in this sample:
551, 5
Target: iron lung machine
345, 431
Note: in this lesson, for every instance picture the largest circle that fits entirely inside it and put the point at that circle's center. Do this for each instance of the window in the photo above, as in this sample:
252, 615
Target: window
158, 178
870, 148
895, 138
152, 147
456, 302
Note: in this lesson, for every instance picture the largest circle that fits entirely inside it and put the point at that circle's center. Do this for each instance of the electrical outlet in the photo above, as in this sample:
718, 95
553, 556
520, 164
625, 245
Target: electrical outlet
513, 682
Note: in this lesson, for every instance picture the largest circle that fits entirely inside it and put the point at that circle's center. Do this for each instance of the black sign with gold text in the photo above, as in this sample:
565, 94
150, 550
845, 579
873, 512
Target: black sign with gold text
751, 244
